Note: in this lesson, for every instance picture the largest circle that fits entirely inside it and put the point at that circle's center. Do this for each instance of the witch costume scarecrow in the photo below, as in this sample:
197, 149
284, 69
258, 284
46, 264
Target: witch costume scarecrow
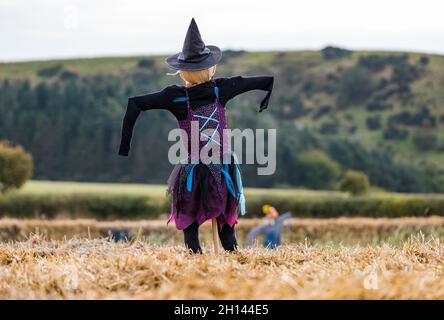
200, 191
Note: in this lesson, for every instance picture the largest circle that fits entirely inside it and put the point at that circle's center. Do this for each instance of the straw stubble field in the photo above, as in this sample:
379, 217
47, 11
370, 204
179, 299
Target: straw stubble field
47, 265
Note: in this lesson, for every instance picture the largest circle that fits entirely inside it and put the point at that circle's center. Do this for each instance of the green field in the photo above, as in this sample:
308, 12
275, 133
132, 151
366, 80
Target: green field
37, 187
138, 201
64, 188
154, 190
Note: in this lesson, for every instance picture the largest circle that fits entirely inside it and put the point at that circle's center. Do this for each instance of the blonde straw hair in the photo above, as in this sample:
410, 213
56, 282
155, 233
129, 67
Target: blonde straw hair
193, 78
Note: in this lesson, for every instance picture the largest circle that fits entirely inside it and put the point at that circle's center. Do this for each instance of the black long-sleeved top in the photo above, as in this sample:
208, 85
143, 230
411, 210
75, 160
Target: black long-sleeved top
171, 98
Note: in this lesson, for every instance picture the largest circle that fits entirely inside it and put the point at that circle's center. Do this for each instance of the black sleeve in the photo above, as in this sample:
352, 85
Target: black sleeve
231, 87
157, 100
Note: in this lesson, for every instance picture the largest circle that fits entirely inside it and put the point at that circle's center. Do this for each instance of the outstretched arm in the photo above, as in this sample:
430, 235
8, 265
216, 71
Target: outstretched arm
131, 115
254, 233
280, 220
234, 86
136, 105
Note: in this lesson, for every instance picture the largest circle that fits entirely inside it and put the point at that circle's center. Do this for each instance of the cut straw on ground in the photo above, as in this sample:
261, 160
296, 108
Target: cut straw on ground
100, 269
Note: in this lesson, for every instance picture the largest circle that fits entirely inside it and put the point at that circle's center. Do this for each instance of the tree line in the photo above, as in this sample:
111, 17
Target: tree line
72, 129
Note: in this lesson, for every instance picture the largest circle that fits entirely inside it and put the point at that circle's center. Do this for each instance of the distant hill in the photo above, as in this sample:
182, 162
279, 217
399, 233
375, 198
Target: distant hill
391, 103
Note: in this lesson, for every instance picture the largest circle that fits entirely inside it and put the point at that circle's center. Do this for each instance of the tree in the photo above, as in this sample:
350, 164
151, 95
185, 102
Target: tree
374, 123
333, 53
146, 63
15, 166
425, 141
355, 86
434, 176
316, 169
424, 60
355, 182
392, 132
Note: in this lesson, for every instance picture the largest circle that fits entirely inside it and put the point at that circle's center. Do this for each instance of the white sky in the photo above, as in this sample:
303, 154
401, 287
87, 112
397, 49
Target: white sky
45, 29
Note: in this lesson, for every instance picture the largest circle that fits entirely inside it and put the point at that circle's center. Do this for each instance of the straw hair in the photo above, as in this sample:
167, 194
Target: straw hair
265, 208
193, 78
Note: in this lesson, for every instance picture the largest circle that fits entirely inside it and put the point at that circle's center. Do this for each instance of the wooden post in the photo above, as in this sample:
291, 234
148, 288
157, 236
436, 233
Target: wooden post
215, 235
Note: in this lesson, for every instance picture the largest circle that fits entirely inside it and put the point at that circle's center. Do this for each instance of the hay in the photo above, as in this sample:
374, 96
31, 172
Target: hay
99, 269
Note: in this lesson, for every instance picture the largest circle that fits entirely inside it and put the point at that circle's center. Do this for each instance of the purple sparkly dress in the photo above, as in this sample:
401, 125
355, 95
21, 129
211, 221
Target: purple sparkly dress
201, 192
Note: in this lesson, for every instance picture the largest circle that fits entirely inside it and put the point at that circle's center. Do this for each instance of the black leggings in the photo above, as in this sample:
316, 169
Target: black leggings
227, 237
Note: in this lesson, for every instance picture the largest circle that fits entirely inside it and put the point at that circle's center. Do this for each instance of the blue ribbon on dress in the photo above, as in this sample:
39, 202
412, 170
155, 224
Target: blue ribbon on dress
229, 182
190, 178
241, 190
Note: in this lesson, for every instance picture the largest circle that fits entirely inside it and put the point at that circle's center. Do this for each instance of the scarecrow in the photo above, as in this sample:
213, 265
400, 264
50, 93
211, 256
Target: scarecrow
272, 229
200, 190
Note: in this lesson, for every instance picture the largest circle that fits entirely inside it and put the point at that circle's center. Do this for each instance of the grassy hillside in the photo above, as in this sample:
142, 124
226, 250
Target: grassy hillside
391, 102
307, 76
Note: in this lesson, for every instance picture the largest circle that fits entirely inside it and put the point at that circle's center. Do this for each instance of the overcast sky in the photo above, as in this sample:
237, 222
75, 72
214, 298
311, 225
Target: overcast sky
46, 29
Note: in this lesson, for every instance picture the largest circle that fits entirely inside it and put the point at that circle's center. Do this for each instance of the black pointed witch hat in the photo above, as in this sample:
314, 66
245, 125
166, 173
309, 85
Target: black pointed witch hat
195, 54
